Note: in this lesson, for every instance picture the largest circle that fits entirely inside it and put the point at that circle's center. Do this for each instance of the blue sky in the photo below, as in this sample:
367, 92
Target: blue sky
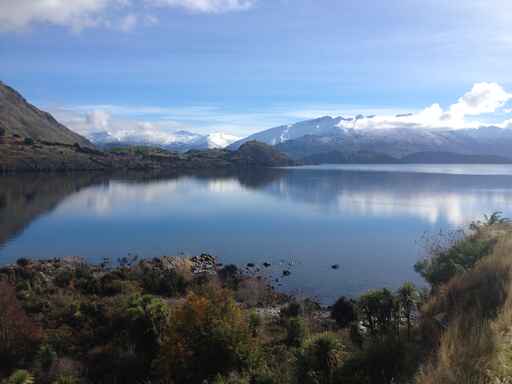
240, 66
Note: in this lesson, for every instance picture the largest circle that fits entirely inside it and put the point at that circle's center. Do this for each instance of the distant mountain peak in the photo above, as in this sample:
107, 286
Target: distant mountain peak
179, 141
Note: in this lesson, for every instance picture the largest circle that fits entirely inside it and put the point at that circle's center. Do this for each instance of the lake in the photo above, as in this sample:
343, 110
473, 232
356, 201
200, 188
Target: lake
368, 219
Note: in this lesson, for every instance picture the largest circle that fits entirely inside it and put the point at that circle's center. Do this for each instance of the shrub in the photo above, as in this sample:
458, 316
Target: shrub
459, 257
255, 322
3, 131
343, 312
320, 359
28, 141
379, 311
207, 336
20, 377
145, 320
384, 361
45, 357
293, 309
63, 279
295, 331
66, 380
166, 283
19, 335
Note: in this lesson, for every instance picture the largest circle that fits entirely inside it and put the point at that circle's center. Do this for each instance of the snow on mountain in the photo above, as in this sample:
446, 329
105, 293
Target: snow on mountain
349, 135
220, 140
179, 141
323, 126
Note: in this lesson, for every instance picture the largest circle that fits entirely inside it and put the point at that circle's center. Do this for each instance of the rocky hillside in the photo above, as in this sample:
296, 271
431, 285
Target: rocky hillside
18, 118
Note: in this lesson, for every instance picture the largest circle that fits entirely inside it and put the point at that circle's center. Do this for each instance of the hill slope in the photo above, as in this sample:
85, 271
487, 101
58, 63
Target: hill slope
18, 117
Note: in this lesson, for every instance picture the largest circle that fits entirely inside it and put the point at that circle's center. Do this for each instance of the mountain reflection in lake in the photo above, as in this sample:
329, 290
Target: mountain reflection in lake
367, 221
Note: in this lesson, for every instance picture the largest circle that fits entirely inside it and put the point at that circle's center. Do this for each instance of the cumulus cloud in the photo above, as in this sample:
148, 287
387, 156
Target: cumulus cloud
483, 98
79, 14
76, 14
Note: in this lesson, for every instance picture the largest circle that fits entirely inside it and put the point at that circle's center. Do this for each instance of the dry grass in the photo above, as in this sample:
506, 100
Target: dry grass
469, 321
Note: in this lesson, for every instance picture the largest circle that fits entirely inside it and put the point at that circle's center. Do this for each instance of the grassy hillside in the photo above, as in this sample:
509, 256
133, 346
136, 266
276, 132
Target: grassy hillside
468, 320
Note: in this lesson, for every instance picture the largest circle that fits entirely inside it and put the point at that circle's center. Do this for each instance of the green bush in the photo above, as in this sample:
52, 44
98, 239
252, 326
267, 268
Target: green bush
63, 279
383, 361
28, 141
318, 362
293, 309
343, 312
66, 380
379, 312
207, 336
166, 283
20, 377
295, 331
440, 267
45, 357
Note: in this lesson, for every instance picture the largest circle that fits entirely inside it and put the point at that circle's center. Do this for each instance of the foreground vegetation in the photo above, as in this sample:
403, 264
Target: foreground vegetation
176, 321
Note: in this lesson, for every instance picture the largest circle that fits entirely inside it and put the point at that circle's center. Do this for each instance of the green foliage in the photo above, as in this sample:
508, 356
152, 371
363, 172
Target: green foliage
28, 141
63, 279
318, 362
146, 318
20, 377
379, 311
293, 309
66, 379
165, 283
255, 323
207, 336
45, 357
343, 312
444, 264
408, 297
3, 131
295, 331
384, 361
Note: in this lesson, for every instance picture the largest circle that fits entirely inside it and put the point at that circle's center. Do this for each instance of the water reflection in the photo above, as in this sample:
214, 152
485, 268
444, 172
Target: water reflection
367, 221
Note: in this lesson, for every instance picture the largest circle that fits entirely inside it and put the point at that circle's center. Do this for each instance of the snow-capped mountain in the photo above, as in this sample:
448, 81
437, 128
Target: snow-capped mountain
178, 141
335, 135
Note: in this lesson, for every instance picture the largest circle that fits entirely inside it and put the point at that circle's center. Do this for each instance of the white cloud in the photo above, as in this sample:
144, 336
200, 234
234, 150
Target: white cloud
483, 98
80, 14
209, 6
98, 120
76, 14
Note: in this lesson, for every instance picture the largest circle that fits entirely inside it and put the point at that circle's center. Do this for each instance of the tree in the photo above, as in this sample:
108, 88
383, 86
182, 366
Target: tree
408, 297
3, 131
343, 312
379, 311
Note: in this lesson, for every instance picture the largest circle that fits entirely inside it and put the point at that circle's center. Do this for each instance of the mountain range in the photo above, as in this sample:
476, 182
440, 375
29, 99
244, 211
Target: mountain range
326, 139
180, 141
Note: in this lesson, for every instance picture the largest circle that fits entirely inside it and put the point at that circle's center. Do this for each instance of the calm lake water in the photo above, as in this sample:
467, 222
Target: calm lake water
368, 219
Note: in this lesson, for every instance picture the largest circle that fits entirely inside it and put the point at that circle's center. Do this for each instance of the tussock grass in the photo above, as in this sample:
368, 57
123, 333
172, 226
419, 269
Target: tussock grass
468, 321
